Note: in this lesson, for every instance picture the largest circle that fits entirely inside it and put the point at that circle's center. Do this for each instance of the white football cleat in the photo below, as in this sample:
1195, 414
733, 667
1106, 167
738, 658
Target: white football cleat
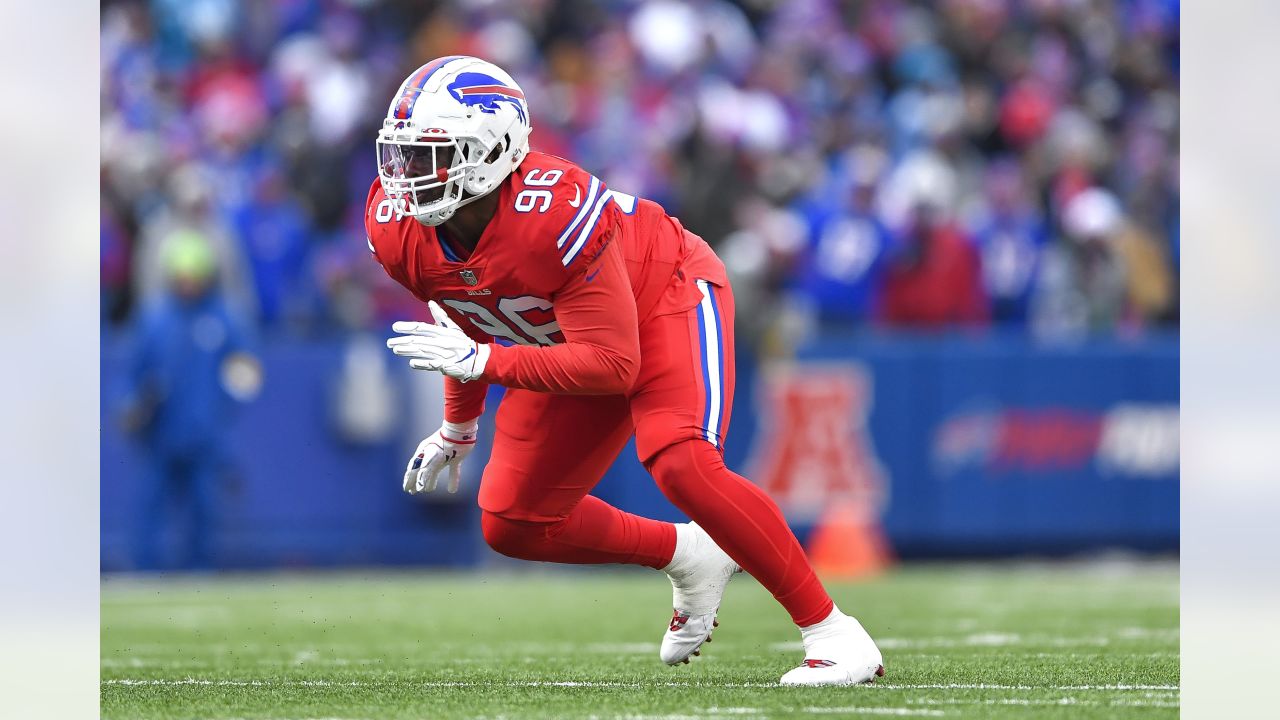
699, 573
837, 651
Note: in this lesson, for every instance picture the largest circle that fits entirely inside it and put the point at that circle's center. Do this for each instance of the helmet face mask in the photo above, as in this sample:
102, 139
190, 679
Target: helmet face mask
455, 130
425, 177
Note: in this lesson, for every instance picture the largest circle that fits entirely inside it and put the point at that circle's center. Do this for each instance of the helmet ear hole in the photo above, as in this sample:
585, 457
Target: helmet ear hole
499, 149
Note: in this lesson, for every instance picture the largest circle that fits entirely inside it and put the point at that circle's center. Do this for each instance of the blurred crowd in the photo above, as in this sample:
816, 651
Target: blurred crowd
873, 163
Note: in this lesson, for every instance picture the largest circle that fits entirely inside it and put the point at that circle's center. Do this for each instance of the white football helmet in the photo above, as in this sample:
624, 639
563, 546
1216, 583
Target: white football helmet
454, 131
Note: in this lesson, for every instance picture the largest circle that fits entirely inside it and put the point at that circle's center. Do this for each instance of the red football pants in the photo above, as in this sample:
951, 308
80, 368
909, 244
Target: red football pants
551, 450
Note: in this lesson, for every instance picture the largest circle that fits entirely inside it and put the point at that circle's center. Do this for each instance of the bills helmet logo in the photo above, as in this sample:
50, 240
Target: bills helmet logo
483, 91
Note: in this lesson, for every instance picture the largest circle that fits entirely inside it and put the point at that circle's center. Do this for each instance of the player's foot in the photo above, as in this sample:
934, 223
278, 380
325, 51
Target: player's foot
699, 572
837, 651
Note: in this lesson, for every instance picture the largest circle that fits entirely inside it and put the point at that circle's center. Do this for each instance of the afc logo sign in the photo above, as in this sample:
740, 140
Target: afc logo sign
817, 452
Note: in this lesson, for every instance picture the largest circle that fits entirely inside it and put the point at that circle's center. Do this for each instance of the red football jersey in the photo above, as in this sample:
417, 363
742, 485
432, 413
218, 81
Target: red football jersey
542, 253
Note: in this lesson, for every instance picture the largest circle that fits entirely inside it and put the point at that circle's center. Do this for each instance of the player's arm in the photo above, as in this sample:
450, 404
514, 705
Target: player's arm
463, 401
444, 449
600, 355
601, 352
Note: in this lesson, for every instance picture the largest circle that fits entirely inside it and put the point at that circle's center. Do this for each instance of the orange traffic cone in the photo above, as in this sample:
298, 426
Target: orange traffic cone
848, 543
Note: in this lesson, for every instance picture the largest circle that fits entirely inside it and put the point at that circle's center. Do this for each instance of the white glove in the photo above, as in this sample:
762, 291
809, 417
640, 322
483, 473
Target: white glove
442, 347
445, 448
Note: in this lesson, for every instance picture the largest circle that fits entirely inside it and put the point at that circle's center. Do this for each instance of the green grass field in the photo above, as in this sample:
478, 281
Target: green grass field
1043, 641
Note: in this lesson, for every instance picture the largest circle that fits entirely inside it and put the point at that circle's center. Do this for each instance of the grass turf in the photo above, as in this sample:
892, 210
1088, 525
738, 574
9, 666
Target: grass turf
1044, 641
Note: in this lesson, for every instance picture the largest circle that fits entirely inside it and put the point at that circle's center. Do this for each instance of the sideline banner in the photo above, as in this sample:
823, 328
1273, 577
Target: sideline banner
952, 446
998, 445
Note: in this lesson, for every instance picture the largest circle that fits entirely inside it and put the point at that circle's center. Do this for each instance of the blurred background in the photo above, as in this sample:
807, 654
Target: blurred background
952, 229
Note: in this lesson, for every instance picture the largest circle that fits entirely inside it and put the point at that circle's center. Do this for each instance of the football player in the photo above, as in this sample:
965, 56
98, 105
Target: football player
604, 318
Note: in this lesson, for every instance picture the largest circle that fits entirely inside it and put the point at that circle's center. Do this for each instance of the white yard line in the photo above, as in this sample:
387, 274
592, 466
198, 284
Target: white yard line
1066, 701
634, 716
857, 710
986, 686
596, 684
999, 639
235, 683
634, 648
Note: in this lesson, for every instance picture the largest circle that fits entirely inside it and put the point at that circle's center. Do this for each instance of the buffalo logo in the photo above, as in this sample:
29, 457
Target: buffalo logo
469, 277
485, 92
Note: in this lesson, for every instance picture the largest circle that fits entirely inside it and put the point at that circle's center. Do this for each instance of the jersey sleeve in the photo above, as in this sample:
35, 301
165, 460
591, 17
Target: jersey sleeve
597, 229
601, 352
581, 211
463, 402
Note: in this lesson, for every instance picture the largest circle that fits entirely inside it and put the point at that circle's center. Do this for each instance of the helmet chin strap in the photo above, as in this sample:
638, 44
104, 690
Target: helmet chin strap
467, 199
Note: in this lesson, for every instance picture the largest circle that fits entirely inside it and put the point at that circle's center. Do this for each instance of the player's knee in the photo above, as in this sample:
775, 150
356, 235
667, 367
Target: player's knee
509, 537
684, 467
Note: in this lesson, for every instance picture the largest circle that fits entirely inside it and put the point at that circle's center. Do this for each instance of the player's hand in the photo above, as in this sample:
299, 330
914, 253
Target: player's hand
445, 448
442, 347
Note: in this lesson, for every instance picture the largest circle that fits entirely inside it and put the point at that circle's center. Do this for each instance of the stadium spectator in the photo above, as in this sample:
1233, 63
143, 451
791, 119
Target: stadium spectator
187, 207
842, 269
933, 278
275, 238
702, 105
1083, 282
190, 366
1011, 237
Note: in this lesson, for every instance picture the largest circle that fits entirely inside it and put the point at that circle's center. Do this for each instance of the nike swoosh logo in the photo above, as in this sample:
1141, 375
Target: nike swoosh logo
592, 276
577, 199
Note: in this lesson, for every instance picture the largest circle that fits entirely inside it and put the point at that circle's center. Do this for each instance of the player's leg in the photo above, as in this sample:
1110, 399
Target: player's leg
549, 451
681, 408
